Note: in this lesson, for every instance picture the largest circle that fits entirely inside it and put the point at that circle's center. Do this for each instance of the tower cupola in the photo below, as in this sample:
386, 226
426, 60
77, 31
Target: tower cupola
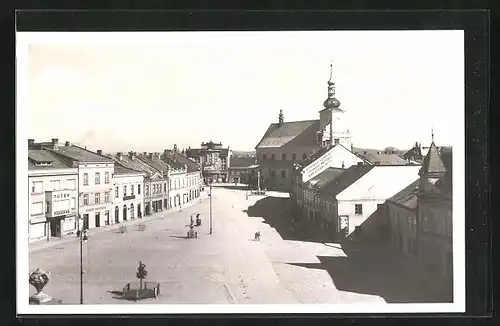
331, 101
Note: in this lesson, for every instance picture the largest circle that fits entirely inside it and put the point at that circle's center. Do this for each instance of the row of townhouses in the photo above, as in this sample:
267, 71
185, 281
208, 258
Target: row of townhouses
72, 188
401, 198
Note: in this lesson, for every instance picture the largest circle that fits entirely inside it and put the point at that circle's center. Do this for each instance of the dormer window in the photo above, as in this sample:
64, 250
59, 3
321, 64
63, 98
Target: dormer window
43, 163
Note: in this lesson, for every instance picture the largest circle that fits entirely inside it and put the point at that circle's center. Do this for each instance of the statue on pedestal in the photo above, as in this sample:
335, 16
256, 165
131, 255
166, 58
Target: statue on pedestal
39, 278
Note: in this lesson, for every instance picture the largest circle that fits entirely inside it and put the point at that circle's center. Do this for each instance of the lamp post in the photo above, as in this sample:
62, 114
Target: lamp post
210, 207
81, 264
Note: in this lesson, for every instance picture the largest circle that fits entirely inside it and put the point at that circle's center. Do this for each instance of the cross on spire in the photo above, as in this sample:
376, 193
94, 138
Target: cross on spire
432, 134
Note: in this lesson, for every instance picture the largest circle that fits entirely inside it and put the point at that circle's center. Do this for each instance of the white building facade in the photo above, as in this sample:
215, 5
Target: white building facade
128, 194
52, 196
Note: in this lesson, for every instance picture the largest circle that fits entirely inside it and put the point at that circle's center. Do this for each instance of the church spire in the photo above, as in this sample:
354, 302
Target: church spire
432, 134
331, 101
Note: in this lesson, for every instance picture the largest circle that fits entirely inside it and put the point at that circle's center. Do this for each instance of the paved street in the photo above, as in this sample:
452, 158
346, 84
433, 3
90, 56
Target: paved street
227, 266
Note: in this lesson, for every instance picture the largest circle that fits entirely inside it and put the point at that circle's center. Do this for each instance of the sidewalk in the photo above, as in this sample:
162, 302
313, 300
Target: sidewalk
42, 244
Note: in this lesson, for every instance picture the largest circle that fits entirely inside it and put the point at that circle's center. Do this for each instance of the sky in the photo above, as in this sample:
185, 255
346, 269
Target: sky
148, 91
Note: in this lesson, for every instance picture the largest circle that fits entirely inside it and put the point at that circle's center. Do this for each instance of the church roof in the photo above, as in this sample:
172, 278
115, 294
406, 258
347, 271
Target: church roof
296, 133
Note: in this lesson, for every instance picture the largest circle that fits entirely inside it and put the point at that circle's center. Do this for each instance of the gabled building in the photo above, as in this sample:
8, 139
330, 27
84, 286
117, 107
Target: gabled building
94, 180
243, 170
187, 171
435, 216
356, 196
153, 180
128, 194
377, 157
414, 154
157, 191
53, 195
286, 143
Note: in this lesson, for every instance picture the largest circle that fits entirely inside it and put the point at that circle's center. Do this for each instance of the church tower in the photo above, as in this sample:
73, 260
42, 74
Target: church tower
333, 125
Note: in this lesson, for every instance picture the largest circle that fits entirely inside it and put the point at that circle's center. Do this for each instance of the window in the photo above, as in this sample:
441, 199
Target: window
97, 198
319, 137
85, 199
124, 190
132, 210
336, 140
138, 189
165, 187
47, 207
283, 174
37, 208
106, 197
294, 157
97, 178
273, 157
304, 156
85, 179
132, 190
73, 202
106, 177
264, 157
283, 157
55, 184
116, 192
37, 187
358, 209
170, 184
71, 184
273, 174
425, 223
147, 189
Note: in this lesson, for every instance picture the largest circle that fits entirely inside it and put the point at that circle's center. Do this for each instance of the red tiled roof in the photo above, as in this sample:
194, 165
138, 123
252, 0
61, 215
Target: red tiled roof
79, 154
42, 155
408, 196
324, 178
295, 133
344, 180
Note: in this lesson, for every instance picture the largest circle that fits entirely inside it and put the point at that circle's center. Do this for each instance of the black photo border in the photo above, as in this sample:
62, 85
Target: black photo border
475, 23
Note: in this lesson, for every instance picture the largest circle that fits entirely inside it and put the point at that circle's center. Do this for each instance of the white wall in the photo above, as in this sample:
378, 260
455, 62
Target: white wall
334, 158
348, 208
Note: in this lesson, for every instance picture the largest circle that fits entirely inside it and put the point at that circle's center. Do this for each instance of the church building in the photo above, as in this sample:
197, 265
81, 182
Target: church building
311, 145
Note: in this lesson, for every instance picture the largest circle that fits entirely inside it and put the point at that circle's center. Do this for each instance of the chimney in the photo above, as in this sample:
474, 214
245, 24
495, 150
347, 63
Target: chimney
99, 151
119, 155
365, 152
145, 153
55, 144
67, 144
281, 118
31, 142
150, 156
175, 147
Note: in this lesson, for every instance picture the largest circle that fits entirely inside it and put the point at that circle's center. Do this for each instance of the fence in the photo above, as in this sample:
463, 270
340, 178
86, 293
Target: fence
133, 291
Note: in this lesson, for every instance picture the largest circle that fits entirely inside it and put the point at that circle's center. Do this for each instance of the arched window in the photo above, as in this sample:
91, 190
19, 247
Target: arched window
132, 210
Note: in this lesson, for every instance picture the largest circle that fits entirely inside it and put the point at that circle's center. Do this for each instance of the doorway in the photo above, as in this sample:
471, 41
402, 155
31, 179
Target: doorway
55, 228
124, 212
97, 220
344, 225
117, 215
85, 221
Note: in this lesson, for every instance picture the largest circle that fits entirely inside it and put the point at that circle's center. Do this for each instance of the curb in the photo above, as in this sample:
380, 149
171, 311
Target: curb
37, 246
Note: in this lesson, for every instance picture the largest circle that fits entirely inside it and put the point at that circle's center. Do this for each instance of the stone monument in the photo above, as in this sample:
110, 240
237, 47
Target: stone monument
39, 278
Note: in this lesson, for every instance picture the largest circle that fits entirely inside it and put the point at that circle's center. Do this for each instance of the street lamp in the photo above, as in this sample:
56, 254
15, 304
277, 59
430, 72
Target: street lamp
82, 235
210, 195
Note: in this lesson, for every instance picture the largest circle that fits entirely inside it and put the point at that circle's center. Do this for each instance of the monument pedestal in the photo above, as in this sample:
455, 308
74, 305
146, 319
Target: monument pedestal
43, 298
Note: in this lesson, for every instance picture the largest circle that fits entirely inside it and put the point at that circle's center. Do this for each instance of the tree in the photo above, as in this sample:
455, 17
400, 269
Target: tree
390, 150
142, 273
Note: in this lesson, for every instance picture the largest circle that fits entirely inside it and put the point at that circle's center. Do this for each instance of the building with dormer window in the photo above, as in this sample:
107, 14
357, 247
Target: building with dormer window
94, 180
128, 194
53, 196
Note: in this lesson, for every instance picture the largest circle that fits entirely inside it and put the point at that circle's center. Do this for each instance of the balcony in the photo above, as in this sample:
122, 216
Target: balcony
129, 197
